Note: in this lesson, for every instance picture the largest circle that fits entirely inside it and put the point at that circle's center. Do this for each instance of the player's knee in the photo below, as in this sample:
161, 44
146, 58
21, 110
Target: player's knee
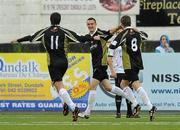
92, 87
124, 84
136, 84
108, 88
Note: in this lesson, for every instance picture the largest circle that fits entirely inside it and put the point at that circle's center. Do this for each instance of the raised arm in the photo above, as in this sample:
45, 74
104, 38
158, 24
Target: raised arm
116, 29
117, 41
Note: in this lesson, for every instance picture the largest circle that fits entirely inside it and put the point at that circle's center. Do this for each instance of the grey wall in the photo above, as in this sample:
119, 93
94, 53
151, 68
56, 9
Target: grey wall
22, 17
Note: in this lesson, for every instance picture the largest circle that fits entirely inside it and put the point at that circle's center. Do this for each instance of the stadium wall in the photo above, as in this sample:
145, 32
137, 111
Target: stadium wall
22, 17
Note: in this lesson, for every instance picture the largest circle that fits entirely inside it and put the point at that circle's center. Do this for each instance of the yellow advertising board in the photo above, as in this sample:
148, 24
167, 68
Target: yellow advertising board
24, 76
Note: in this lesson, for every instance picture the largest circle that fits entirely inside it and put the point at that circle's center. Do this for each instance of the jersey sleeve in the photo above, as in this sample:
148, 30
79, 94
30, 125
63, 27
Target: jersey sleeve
35, 37
38, 35
84, 39
106, 35
74, 37
143, 35
23, 39
116, 42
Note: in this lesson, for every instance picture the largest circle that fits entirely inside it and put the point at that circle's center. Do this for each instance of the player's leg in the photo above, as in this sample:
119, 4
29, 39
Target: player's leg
64, 95
120, 92
144, 97
130, 94
142, 93
55, 94
129, 107
92, 96
129, 113
91, 99
133, 76
66, 98
99, 74
130, 76
118, 99
65, 107
108, 87
56, 73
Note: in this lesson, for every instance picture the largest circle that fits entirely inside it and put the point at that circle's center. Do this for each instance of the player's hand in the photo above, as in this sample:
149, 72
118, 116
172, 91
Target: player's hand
135, 29
14, 41
97, 37
166, 45
113, 74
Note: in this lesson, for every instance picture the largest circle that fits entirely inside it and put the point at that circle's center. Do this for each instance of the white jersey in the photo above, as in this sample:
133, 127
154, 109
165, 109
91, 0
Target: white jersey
117, 58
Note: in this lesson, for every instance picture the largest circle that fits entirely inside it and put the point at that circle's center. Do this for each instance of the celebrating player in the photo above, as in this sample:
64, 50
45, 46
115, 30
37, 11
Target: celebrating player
55, 40
117, 72
130, 39
99, 51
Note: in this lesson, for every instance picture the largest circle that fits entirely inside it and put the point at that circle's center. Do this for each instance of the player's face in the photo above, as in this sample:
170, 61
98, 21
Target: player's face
91, 24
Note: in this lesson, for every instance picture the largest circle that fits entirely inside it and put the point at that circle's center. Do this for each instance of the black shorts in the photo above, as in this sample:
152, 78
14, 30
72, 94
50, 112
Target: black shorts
57, 69
100, 73
119, 78
131, 75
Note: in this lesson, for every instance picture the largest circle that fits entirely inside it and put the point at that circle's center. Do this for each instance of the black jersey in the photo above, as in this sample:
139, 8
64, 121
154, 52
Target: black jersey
130, 40
99, 48
56, 39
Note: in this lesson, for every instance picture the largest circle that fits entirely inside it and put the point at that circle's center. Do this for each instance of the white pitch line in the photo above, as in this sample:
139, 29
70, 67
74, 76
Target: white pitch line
89, 123
93, 116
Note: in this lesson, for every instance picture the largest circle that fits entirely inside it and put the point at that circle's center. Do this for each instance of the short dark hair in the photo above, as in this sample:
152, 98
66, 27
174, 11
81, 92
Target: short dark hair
91, 18
126, 20
55, 18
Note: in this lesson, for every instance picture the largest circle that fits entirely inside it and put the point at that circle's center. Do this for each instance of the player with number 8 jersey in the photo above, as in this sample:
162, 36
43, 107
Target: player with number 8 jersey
130, 39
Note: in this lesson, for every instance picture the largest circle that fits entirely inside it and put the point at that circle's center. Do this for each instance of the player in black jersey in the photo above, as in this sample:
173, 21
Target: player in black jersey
99, 52
55, 40
130, 39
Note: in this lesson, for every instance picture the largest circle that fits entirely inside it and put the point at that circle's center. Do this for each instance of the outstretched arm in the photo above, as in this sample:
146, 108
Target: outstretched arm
74, 37
35, 37
106, 35
23, 39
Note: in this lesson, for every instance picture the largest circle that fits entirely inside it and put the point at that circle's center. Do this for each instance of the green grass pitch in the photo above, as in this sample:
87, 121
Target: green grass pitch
97, 121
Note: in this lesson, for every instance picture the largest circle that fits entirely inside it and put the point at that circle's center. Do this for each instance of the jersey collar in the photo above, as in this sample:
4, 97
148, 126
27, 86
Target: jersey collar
92, 34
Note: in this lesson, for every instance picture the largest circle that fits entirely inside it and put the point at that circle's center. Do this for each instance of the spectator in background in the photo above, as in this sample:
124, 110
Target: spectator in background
164, 46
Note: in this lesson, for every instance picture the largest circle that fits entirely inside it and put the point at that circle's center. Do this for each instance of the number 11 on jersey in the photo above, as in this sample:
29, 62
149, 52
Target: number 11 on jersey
54, 42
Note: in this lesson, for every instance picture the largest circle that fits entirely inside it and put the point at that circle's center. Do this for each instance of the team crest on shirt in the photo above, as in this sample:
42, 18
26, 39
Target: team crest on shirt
93, 47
